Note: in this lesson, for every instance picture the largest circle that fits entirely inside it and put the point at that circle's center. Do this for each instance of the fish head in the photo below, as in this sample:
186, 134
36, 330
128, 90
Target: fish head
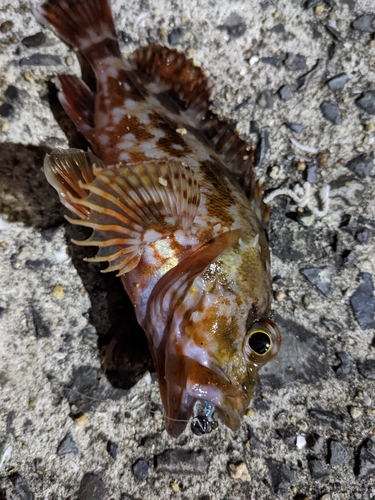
219, 333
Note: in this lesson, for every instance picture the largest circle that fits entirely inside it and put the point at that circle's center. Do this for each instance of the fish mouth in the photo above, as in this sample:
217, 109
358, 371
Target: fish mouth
199, 383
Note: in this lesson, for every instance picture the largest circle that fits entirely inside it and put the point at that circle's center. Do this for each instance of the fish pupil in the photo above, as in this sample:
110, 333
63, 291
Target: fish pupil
259, 342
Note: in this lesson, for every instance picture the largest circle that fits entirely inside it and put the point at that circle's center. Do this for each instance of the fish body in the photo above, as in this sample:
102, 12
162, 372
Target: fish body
170, 195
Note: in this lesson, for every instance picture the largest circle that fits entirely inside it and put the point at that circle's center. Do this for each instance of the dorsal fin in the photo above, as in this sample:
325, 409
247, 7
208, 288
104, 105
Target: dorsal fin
188, 85
186, 81
122, 202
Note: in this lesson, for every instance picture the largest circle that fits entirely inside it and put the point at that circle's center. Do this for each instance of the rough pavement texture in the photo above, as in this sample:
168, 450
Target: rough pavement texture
67, 429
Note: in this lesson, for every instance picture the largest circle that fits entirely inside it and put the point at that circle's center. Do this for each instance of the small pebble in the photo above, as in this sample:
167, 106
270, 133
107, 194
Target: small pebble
319, 9
81, 420
355, 412
295, 127
58, 292
331, 112
6, 26
265, 99
175, 486
369, 127
301, 442
307, 302
301, 166
364, 23
280, 296
239, 471
34, 40
337, 83
367, 102
285, 92
6, 110
140, 469
11, 93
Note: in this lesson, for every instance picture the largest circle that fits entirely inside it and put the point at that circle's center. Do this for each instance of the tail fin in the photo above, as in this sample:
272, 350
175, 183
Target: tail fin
85, 24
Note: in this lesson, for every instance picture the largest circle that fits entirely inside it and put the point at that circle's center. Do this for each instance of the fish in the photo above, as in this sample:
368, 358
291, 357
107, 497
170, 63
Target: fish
170, 194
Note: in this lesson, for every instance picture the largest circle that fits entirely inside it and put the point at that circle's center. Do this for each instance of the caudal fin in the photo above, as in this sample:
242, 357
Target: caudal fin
85, 24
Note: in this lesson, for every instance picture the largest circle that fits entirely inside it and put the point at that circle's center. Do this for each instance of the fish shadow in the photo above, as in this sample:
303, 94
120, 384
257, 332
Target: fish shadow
25, 196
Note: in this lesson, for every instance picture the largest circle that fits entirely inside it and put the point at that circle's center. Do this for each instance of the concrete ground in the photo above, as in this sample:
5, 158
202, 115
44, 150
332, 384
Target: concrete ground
70, 431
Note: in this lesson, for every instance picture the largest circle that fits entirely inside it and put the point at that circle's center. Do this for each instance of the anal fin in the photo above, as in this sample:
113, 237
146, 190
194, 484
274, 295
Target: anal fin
78, 102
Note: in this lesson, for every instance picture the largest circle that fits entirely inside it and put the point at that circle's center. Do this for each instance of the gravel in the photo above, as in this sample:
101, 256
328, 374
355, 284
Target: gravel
80, 404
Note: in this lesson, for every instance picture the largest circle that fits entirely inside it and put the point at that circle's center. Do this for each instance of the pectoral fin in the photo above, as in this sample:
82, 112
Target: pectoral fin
122, 202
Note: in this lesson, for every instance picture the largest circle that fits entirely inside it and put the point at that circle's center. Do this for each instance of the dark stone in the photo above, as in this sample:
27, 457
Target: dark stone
337, 454
332, 325
314, 442
304, 79
140, 469
338, 82
254, 442
366, 459
41, 60
316, 34
67, 446
181, 461
295, 127
88, 387
278, 29
312, 174
92, 488
282, 475
265, 100
6, 110
112, 449
21, 487
285, 92
302, 357
320, 278
367, 368
287, 435
345, 368
336, 35
362, 235
49, 233
331, 112
175, 36
363, 303
331, 50
41, 327
273, 61
6, 26
234, 25
242, 104
367, 102
336, 420
254, 127
295, 62
361, 165
318, 468
35, 265
261, 149
34, 40
11, 93
364, 23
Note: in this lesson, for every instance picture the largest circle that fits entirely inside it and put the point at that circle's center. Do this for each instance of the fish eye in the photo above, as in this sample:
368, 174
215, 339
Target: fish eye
262, 341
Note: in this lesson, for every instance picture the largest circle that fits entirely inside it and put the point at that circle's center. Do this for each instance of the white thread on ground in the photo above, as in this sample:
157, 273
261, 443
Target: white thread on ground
308, 149
303, 196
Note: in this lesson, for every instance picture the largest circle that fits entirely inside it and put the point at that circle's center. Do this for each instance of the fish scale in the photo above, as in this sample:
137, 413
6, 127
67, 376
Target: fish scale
175, 210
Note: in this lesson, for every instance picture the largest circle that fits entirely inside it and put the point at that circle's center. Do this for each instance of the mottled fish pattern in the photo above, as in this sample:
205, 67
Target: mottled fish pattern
171, 197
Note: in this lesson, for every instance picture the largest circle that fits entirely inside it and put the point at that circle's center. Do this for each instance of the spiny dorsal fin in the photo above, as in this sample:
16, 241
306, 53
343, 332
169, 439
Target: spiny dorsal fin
122, 202
188, 85
187, 81
65, 169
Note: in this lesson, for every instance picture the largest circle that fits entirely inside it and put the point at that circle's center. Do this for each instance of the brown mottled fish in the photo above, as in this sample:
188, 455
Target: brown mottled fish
170, 195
